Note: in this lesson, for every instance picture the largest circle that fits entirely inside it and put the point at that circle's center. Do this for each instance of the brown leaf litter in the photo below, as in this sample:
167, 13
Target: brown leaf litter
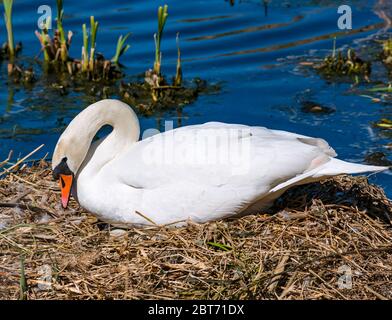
328, 240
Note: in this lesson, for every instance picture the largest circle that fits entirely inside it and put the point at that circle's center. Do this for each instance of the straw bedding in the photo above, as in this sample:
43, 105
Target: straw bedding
329, 240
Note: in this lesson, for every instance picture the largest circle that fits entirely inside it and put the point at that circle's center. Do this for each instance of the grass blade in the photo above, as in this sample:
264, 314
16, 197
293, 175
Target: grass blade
22, 280
220, 246
121, 48
8, 23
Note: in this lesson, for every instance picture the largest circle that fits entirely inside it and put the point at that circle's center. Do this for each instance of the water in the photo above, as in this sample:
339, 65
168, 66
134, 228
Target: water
251, 52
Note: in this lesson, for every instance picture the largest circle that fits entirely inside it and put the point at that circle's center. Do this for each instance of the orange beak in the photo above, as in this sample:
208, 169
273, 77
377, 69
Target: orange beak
65, 185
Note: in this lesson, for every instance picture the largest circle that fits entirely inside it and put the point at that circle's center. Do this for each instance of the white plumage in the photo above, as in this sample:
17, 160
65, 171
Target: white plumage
200, 172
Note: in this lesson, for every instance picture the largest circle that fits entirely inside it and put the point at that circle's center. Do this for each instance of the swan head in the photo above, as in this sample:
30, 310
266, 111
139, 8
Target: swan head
67, 158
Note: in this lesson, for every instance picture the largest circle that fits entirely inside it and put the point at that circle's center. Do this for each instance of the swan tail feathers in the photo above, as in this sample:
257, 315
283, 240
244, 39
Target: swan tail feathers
333, 167
336, 167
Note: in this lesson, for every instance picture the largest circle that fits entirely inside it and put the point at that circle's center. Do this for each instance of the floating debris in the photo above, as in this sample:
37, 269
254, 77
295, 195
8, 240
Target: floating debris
341, 65
349, 65
373, 99
378, 94
378, 159
138, 94
384, 124
386, 54
384, 127
314, 107
381, 89
4, 50
19, 74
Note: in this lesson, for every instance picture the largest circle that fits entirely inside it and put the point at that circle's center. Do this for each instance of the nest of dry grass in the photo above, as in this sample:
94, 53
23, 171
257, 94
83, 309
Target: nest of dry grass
325, 240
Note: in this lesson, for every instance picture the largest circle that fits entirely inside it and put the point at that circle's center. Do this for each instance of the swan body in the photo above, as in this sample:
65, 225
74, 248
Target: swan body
171, 177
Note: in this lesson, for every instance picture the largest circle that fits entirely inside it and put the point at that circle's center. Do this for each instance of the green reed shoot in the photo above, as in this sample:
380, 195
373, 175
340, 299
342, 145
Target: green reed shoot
93, 36
334, 48
121, 48
22, 281
60, 29
55, 49
387, 47
44, 39
85, 49
162, 17
381, 89
178, 78
8, 23
60, 16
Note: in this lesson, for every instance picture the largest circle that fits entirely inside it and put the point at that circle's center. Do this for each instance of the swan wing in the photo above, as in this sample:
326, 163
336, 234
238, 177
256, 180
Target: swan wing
213, 170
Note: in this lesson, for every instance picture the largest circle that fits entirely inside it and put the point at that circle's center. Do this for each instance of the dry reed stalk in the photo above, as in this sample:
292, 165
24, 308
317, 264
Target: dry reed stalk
295, 251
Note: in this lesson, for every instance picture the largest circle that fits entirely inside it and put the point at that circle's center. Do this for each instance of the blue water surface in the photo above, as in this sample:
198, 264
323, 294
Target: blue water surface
251, 50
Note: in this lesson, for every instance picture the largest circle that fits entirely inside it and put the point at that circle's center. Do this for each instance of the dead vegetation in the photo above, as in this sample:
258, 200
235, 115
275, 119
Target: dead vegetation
344, 65
315, 242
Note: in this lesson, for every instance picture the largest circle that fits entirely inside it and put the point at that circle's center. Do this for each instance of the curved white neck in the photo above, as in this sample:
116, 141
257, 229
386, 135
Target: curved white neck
126, 131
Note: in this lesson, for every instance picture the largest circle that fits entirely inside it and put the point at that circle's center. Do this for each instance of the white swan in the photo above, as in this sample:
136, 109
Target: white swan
200, 172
